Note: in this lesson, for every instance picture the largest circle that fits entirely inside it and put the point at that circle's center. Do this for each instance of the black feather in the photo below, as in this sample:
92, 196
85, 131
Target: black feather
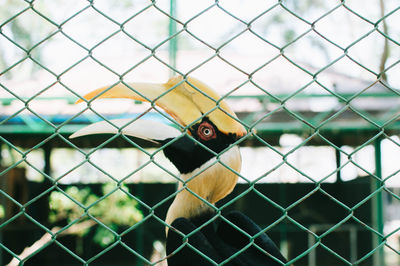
220, 242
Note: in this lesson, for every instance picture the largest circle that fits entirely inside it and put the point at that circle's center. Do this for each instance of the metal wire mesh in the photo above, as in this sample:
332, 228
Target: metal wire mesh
383, 127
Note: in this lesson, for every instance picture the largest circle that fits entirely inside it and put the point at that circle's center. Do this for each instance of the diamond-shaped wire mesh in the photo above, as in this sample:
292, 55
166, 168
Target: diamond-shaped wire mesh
313, 82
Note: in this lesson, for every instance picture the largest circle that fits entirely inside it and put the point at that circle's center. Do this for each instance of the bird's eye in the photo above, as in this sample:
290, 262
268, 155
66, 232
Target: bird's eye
206, 131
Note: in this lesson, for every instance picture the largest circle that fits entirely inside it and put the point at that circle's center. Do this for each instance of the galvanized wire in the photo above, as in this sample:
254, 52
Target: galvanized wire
313, 126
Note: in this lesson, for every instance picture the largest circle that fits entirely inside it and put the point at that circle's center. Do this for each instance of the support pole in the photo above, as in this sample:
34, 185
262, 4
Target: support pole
173, 43
283, 226
377, 206
46, 157
2, 202
338, 165
140, 235
44, 201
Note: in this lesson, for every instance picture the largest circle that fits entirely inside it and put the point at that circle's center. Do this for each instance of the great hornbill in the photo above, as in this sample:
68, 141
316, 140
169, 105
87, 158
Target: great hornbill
209, 163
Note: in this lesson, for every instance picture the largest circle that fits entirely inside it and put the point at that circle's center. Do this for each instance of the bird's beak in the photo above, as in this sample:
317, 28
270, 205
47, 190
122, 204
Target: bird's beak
187, 100
139, 128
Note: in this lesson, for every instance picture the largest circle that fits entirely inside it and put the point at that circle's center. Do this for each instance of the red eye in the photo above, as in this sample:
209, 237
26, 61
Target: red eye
206, 131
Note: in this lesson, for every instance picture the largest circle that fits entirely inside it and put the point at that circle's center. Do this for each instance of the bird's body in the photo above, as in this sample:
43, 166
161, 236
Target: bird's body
220, 240
209, 162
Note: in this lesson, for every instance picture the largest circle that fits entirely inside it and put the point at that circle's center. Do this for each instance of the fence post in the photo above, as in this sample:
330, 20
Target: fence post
45, 201
173, 42
312, 256
2, 203
140, 194
377, 206
338, 164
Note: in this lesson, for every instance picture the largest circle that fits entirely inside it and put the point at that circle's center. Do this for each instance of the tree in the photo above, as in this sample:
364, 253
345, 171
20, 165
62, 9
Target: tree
116, 209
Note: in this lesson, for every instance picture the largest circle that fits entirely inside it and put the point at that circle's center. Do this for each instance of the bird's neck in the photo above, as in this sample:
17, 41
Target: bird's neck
205, 186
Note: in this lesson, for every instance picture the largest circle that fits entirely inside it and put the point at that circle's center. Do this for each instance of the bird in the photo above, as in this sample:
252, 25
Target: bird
202, 144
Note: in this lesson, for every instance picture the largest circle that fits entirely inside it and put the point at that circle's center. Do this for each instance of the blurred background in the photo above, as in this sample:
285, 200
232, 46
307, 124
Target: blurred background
314, 80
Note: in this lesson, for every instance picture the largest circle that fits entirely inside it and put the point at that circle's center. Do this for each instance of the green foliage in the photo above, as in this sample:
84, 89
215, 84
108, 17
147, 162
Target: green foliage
114, 209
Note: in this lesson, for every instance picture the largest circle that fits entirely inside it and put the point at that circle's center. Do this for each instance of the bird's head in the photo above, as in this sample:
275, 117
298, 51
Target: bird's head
201, 150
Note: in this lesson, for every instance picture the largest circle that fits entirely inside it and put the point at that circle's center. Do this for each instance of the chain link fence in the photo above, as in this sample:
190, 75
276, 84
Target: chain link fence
349, 116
